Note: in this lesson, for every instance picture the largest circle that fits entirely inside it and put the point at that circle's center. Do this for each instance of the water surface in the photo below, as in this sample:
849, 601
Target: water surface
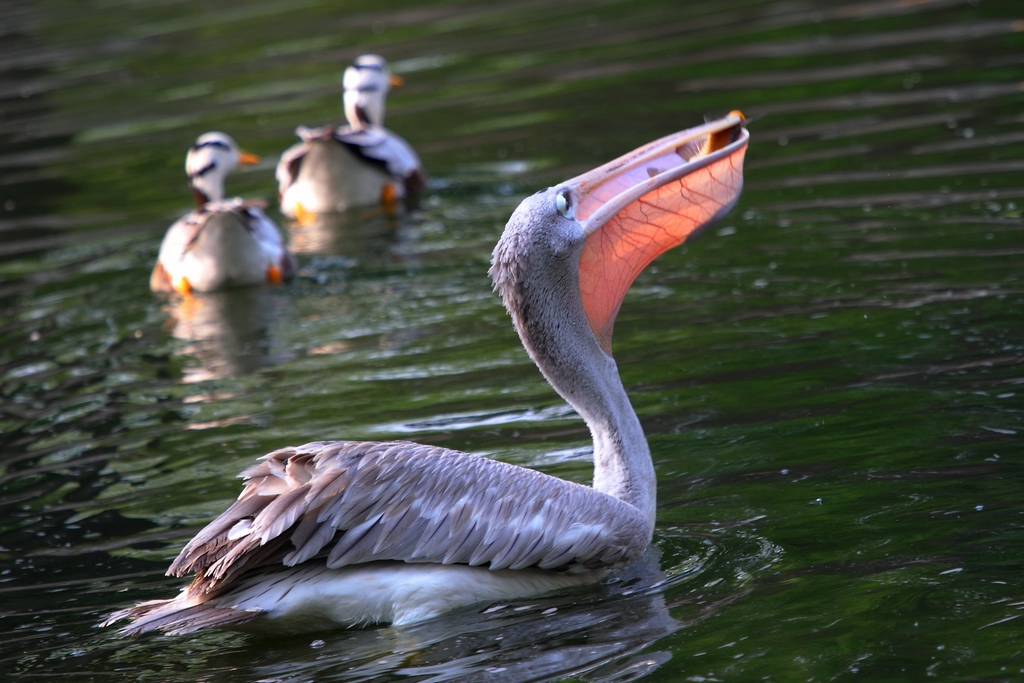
830, 379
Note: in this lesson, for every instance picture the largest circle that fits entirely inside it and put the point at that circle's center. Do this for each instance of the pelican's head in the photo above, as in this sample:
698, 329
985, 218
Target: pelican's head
365, 86
208, 162
578, 246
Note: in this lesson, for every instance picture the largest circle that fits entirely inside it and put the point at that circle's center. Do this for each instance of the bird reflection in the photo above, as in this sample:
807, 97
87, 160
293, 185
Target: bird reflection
370, 234
226, 332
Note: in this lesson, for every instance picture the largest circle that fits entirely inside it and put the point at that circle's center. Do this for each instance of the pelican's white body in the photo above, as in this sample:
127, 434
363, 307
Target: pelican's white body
303, 598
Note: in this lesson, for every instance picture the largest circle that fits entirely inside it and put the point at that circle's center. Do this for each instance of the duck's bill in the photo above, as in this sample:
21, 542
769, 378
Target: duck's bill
247, 159
640, 205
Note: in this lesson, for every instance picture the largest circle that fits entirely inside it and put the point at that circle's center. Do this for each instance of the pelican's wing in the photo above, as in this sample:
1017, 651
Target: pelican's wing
356, 502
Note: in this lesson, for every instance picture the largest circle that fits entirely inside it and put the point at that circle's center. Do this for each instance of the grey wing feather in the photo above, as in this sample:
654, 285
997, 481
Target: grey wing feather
355, 502
170, 617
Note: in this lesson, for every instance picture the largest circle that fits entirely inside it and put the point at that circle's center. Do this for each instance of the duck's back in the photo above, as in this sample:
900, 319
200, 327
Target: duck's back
220, 246
339, 169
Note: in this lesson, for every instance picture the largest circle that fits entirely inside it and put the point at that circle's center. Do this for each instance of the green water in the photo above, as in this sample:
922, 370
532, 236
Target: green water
830, 379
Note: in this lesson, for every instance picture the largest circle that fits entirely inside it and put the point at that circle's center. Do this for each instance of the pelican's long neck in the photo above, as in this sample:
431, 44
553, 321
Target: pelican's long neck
540, 291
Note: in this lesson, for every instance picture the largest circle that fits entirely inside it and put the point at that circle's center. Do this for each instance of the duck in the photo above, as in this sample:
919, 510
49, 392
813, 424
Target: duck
223, 242
354, 532
358, 164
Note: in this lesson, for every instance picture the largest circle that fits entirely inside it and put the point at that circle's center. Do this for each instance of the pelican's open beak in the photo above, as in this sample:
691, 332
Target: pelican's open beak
396, 81
246, 159
645, 202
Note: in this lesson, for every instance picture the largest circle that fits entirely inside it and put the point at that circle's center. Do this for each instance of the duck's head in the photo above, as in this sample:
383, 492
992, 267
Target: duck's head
365, 86
208, 162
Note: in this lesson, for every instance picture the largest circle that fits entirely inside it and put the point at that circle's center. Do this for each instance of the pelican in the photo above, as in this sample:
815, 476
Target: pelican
222, 243
368, 532
358, 164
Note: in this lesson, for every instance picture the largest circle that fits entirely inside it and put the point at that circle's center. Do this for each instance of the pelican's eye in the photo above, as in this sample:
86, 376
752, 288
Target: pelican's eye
564, 205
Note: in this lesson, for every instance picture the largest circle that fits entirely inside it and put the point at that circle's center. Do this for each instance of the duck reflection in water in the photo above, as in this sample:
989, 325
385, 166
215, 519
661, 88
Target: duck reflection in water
226, 333
369, 235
